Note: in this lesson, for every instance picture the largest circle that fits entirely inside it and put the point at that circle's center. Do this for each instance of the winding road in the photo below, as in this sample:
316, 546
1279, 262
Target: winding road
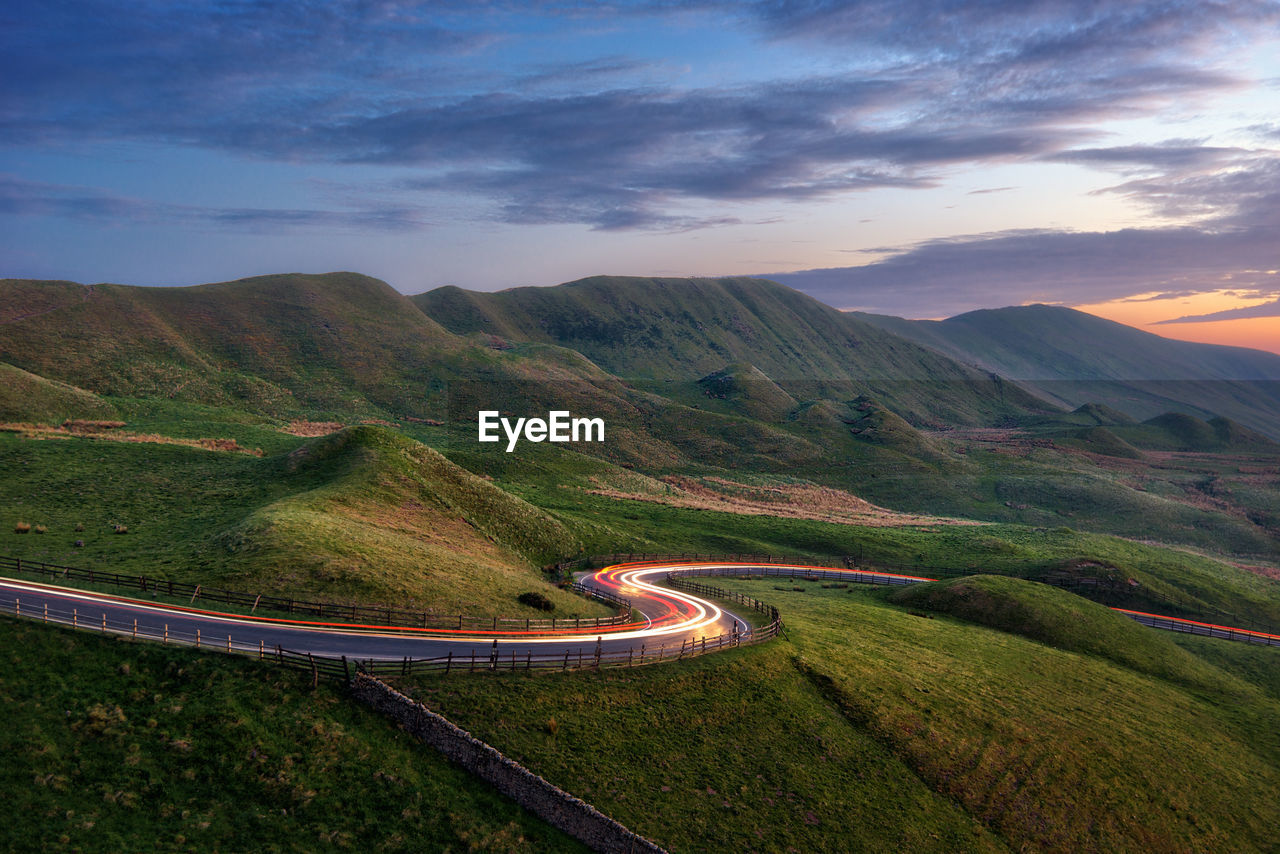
667, 620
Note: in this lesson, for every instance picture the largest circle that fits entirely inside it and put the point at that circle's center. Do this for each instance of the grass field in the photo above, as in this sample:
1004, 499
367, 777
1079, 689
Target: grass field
118, 746
874, 728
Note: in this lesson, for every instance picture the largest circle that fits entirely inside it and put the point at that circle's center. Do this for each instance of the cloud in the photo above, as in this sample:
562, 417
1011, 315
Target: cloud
1176, 155
31, 198
945, 277
1041, 32
1234, 243
1269, 309
392, 84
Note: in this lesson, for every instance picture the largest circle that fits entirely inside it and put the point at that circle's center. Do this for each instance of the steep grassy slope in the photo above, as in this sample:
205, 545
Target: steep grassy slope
1066, 621
112, 746
363, 515
684, 329
27, 397
394, 519
273, 343
1076, 358
871, 728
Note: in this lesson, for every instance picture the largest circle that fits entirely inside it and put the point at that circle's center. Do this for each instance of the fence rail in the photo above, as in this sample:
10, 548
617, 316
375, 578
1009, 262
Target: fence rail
383, 616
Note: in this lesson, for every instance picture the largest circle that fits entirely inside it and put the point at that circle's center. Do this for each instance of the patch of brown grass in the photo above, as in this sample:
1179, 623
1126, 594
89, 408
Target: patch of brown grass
311, 429
76, 425
790, 500
110, 433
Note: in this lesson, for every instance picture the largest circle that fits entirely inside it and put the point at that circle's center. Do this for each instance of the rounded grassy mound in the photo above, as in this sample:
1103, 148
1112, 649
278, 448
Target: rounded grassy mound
1066, 621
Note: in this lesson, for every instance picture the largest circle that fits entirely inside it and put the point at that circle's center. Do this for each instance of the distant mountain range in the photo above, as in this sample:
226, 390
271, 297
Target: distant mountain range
660, 332
1073, 358
744, 347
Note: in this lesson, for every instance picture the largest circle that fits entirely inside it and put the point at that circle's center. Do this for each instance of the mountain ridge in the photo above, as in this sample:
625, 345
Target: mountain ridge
1073, 358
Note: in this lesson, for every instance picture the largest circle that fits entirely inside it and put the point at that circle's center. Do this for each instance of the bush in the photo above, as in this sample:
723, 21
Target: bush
536, 600
21, 528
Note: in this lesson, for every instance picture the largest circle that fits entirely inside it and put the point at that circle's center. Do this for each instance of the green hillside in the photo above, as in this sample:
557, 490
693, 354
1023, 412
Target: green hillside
862, 410
1066, 621
274, 343
1075, 358
680, 330
314, 435
25, 396
1177, 431
364, 515
873, 728
117, 746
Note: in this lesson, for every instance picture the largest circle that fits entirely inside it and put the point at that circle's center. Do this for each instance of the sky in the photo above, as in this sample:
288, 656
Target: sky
903, 157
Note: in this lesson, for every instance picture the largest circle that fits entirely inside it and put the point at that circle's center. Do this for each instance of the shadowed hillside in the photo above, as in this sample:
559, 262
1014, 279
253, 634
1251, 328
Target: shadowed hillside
1074, 358
273, 343
681, 330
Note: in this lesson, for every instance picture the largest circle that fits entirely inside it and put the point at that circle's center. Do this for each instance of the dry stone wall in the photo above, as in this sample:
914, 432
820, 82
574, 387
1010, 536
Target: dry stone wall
554, 805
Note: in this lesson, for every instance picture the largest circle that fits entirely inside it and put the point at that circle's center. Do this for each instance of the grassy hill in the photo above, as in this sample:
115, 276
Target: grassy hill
1075, 358
274, 343
871, 728
364, 515
1177, 431
25, 396
681, 330
1064, 620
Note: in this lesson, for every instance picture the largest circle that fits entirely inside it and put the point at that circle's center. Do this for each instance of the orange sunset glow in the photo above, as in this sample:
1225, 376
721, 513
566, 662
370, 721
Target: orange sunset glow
1145, 312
